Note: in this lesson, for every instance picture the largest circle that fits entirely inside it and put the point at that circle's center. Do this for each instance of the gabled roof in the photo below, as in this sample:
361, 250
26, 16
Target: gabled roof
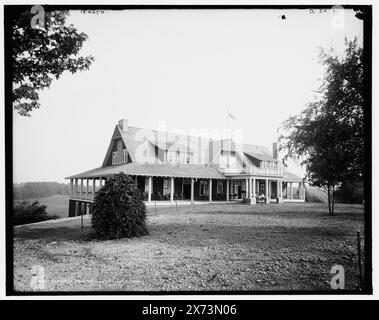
164, 170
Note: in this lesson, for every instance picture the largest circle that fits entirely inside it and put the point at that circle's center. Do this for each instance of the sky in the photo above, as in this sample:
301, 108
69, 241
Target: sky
183, 67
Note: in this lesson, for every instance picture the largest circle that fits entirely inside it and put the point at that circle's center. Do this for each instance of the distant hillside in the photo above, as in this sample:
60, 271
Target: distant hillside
33, 190
313, 194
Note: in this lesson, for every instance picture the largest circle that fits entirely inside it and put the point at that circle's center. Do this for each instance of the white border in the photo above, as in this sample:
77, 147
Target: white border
375, 134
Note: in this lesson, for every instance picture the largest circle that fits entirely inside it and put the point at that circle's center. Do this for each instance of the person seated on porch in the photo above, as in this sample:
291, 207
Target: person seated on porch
261, 197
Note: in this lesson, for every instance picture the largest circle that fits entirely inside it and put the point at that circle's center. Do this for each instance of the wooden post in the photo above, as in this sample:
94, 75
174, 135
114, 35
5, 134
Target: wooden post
71, 186
359, 258
227, 189
81, 216
210, 190
76, 188
182, 195
291, 191
247, 188
149, 189
192, 191
172, 190
93, 187
266, 192
253, 199
87, 188
81, 188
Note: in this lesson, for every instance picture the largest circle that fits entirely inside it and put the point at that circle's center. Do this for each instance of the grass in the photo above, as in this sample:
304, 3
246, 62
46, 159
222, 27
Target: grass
205, 247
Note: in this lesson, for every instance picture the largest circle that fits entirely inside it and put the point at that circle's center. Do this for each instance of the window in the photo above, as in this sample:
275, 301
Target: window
222, 162
188, 157
124, 156
220, 187
169, 156
172, 157
114, 157
182, 157
175, 157
203, 188
232, 162
147, 184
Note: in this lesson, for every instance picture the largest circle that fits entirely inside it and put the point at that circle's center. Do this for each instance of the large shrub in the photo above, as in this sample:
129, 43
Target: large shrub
29, 212
118, 210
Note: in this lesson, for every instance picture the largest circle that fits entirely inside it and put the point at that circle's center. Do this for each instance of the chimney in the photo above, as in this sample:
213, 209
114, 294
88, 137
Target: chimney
275, 150
123, 124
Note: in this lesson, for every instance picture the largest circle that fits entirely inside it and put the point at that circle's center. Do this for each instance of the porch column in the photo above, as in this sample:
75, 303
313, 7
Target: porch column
71, 187
247, 188
279, 198
100, 182
172, 190
87, 188
192, 191
291, 191
227, 189
303, 191
267, 193
81, 188
149, 189
253, 200
76, 188
93, 187
210, 190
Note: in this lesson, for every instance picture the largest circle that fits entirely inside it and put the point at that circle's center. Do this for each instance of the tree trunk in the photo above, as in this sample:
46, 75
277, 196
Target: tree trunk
329, 208
332, 200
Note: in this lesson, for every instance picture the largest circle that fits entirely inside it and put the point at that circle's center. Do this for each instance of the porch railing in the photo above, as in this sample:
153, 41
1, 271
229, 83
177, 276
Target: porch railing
253, 170
82, 195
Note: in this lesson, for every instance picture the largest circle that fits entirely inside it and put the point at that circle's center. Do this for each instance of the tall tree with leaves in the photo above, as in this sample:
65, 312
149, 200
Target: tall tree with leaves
328, 136
40, 54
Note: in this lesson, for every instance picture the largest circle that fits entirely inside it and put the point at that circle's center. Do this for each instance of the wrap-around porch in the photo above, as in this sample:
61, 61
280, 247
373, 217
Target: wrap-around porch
170, 190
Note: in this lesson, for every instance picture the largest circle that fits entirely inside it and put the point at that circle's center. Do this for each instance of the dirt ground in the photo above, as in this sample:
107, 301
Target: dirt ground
212, 247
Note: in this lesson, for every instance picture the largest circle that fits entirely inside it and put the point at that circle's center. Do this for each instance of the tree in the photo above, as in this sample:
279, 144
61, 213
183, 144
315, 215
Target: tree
118, 210
328, 136
41, 54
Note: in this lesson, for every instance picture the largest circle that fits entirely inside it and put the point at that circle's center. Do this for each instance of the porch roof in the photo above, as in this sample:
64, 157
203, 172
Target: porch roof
162, 170
290, 177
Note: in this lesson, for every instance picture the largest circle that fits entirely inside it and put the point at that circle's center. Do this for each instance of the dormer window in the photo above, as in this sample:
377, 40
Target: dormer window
174, 157
222, 162
124, 156
185, 157
114, 158
232, 162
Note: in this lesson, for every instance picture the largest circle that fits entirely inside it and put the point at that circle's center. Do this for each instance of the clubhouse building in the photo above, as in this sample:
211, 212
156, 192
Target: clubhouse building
177, 169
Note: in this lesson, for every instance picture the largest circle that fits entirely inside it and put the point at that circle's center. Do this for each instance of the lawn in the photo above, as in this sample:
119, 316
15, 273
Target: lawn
202, 247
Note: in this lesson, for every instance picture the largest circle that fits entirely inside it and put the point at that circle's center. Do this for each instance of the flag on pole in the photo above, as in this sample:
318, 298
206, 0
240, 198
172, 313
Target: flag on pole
230, 115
